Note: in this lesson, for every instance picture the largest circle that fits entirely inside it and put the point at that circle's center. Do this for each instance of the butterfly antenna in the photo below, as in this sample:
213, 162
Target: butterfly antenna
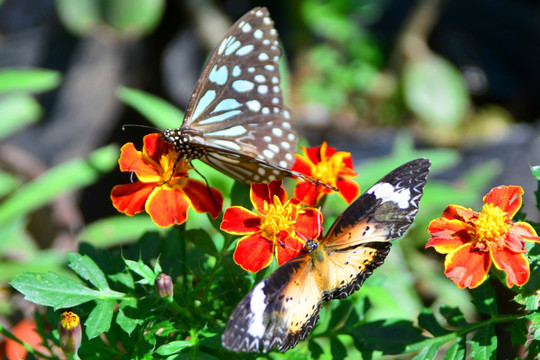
207, 185
125, 126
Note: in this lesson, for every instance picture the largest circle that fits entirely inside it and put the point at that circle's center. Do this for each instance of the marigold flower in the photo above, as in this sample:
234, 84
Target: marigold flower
280, 227
70, 333
473, 240
332, 167
165, 196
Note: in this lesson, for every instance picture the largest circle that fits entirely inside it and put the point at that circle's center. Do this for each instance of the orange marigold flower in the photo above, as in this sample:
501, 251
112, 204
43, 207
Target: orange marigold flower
332, 167
280, 227
165, 196
473, 240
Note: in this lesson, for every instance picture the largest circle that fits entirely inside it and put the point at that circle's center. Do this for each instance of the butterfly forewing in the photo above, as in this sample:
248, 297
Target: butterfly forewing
287, 302
238, 105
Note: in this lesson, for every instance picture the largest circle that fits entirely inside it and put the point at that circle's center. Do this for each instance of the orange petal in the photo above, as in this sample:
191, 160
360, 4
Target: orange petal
348, 189
508, 198
133, 160
131, 198
240, 221
167, 207
305, 192
201, 200
514, 265
25, 330
461, 213
154, 146
308, 224
261, 193
467, 267
288, 248
302, 164
253, 252
447, 235
525, 230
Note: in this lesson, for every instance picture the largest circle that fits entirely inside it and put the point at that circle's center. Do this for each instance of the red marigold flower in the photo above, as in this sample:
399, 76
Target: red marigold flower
280, 227
331, 167
473, 240
165, 196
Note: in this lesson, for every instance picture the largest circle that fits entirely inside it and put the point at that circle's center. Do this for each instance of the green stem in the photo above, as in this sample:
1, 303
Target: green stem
228, 241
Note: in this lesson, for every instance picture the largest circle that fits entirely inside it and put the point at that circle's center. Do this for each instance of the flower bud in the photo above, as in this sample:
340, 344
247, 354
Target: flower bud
164, 286
69, 330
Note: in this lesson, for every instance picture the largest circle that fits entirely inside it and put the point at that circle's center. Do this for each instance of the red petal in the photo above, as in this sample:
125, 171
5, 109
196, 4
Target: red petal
466, 267
288, 249
240, 221
348, 189
314, 153
167, 207
301, 165
305, 192
508, 198
201, 200
133, 160
515, 265
308, 224
261, 193
525, 231
253, 252
130, 198
448, 235
154, 146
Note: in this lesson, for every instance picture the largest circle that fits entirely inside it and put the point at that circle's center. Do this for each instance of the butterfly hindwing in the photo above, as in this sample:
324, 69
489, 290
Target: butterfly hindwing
283, 308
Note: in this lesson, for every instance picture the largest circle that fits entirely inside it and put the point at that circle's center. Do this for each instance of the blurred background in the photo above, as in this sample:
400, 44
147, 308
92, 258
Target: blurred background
363, 75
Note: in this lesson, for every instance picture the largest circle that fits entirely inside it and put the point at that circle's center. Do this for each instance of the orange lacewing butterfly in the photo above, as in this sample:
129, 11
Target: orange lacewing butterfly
283, 308
236, 120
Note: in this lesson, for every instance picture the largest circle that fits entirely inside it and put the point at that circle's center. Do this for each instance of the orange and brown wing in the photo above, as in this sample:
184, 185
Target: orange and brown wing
280, 310
358, 241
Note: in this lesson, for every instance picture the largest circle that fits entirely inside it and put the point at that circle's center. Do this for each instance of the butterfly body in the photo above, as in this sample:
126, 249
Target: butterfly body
283, 308
236, 120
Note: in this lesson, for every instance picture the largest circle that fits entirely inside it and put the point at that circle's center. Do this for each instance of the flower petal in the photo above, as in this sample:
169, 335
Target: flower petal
201, 200
461, 213
308, 224
253, 252
261, 193
525, 230
466, 267
131, 198
132, 160
302, 164
305, 192
167, 207
348, 189
514, 265
240, 221
288, 248
154, 146
447, 235
508, 198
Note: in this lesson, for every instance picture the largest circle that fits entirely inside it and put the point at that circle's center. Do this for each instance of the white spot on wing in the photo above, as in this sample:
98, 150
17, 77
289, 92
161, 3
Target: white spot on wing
245, 50
257, 308
218, 76
206, 99
233, 131
232, 48
263, 56
258, 34
246, 28
242, 85
387, 192
226, 105
254, 105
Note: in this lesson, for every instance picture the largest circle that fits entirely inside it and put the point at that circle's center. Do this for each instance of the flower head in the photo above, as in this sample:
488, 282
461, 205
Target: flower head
473, 240
332, 167
165, 195
164, 287
70, 333
280, 227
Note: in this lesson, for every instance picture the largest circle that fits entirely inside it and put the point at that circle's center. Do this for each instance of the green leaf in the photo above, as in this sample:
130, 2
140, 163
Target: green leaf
435, 91
337, 348
118, 229
457, 350
390, 336
123, 278
427, 320
453, 315
428, 352
484, 299
28, 80
134, 16
78, 16
483, 344
159, 112
126, 323
202, 240
173, 347
8, 183
87, 269
148, 276
61, 179
535, 170
99, 319
17, 111
53, 290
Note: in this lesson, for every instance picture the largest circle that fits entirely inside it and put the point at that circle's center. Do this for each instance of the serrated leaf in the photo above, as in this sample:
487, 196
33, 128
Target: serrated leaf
483, 344
337, 348
453, 315
99, 319
428, 352
53, 290
159, 112
123, 278
484, 299
173, 347
126, 323
87, 269
457, 350
390, 336
148, 276
427, 321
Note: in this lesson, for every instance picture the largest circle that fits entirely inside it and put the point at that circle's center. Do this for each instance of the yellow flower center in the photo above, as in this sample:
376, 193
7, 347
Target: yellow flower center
69, 320
277, 218
167, 162
328, 169
491, 227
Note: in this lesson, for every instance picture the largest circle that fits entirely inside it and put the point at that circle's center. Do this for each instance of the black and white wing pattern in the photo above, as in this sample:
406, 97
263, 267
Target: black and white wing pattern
283, 308
236, 120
